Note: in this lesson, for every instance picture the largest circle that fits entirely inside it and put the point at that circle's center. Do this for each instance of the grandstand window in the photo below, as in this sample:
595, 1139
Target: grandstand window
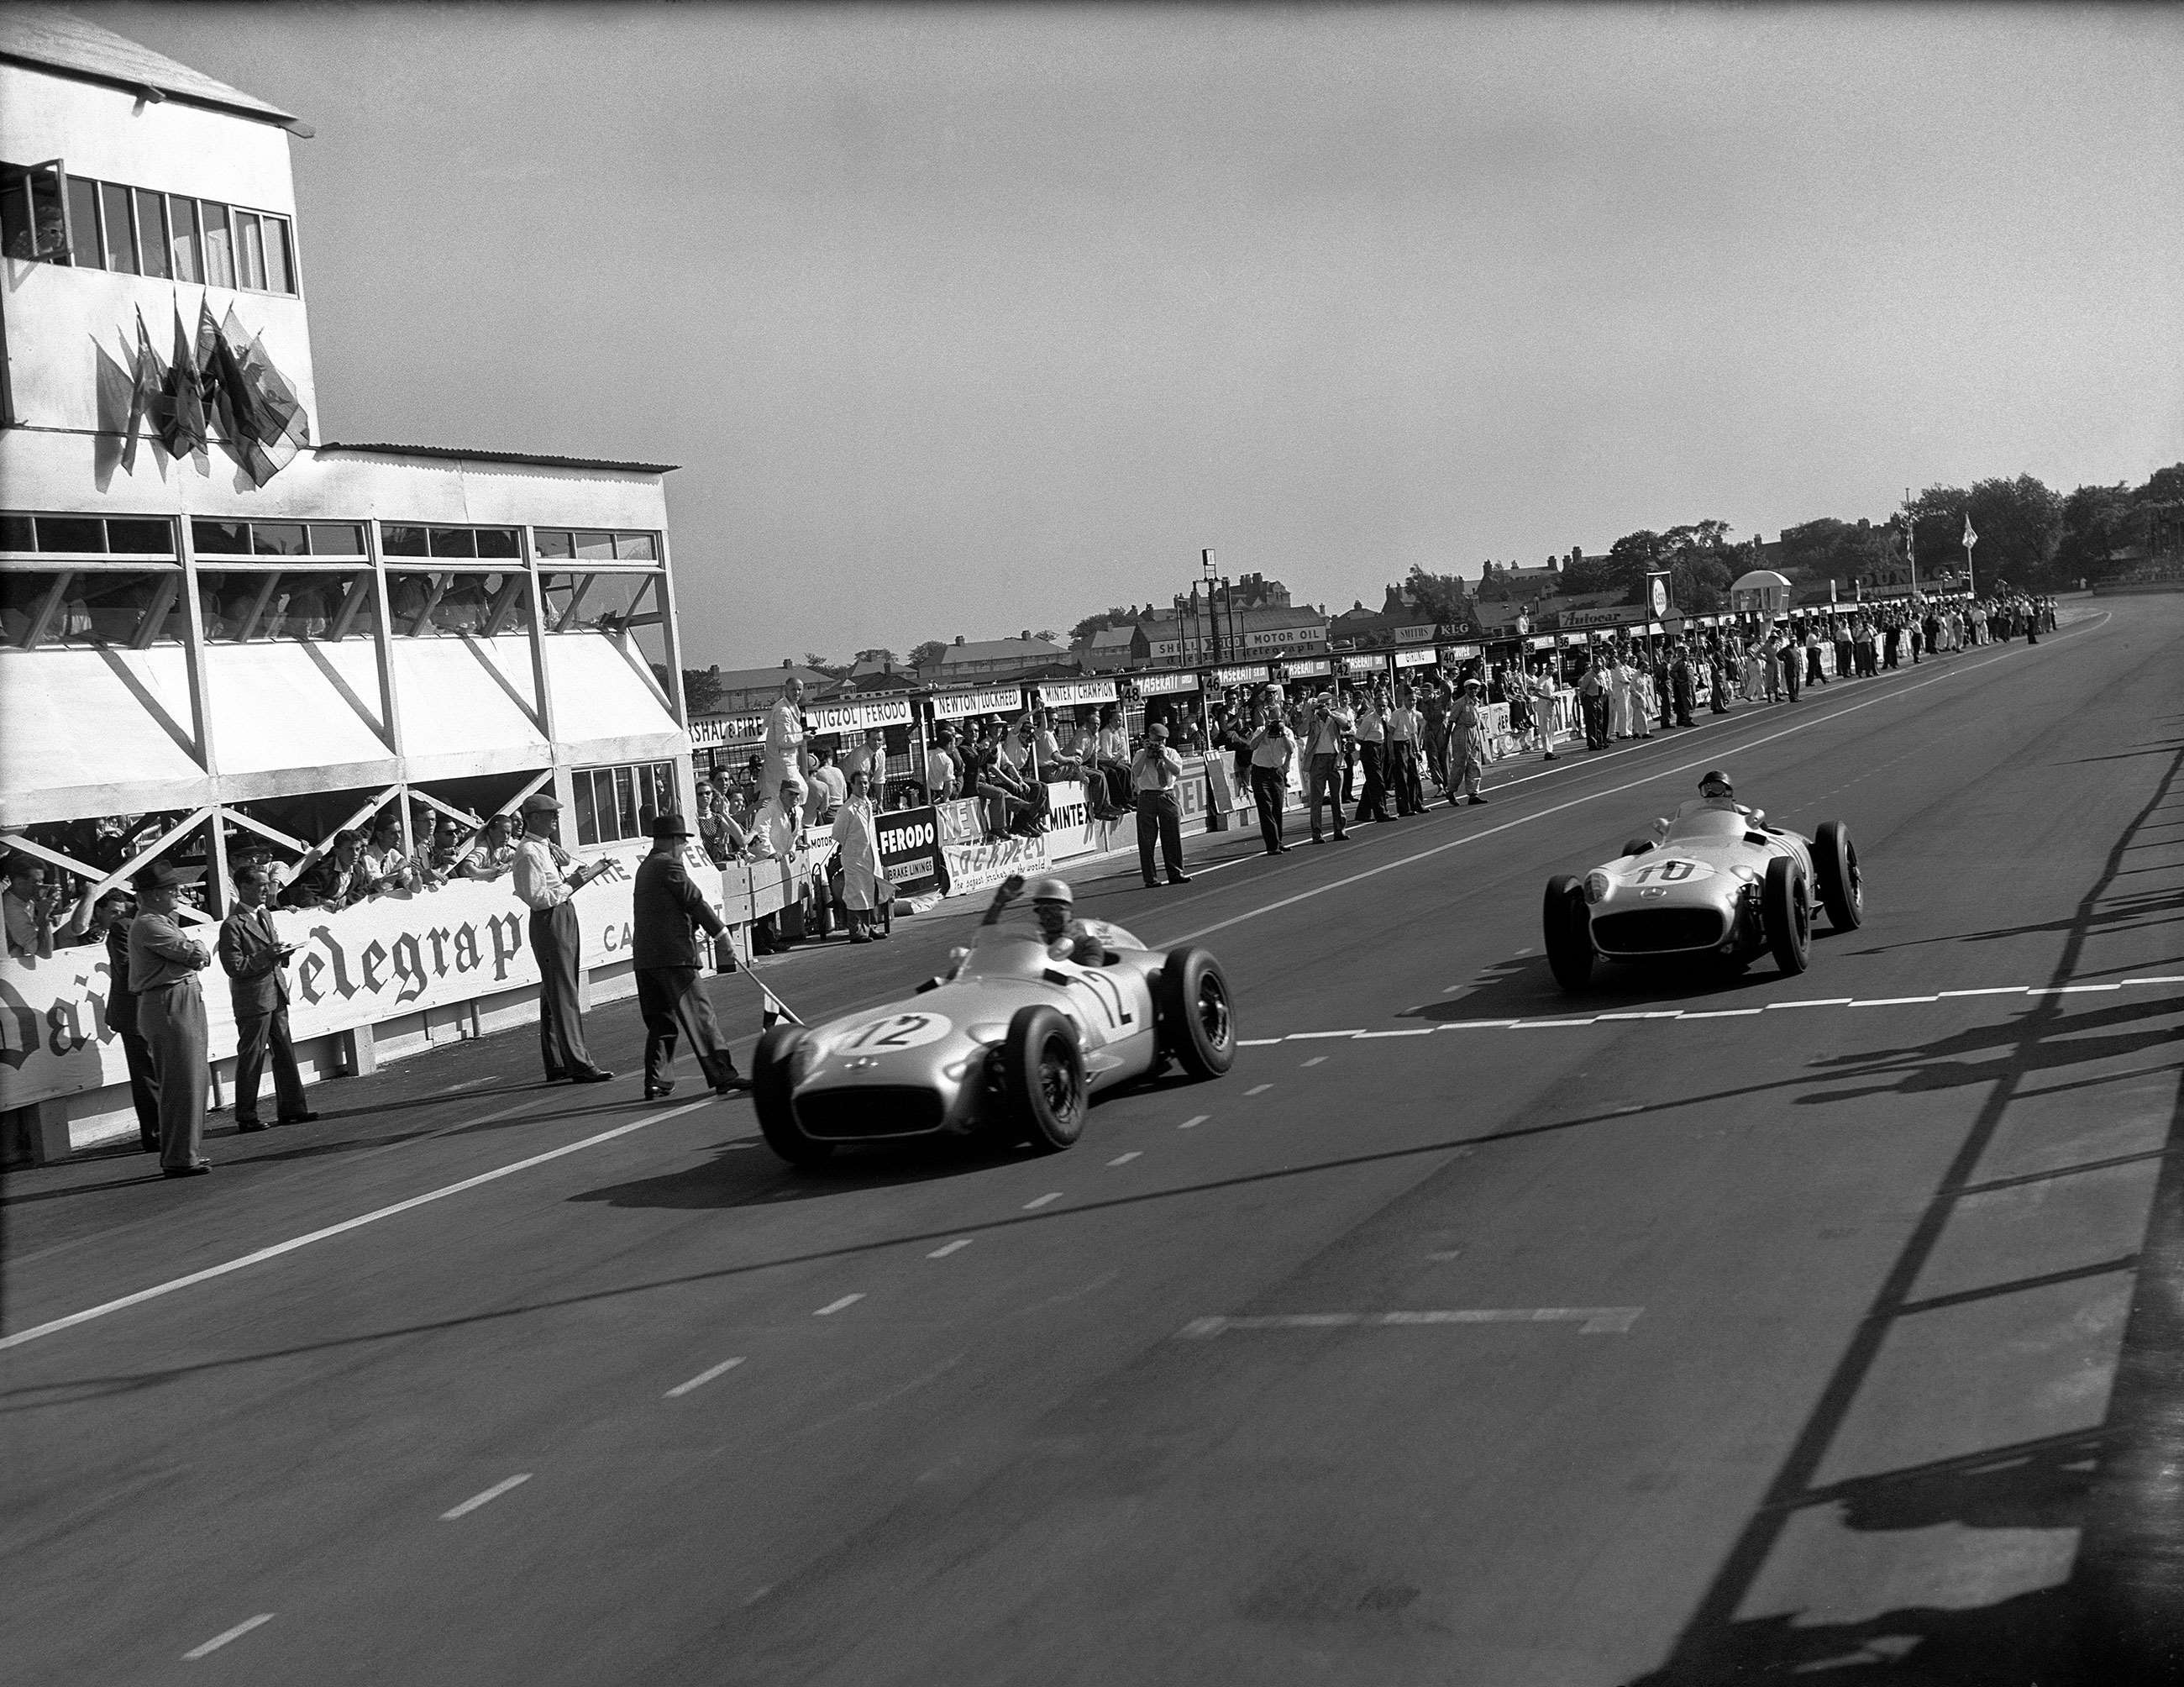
595, 546
257, 605
409, 539
129, 536
344, 540
611, 802
47, 213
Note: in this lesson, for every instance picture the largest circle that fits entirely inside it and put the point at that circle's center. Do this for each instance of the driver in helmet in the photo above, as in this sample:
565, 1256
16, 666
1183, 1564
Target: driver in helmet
1716, 794
1052, 904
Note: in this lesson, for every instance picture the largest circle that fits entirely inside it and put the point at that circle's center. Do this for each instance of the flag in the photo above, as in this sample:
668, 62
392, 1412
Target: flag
1970, 538
262, 421
182, 418
147, 392
774, 1012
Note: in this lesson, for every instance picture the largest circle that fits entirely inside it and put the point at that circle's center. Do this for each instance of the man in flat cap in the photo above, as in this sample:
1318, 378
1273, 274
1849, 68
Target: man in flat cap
670, 985
163, 964
547, 883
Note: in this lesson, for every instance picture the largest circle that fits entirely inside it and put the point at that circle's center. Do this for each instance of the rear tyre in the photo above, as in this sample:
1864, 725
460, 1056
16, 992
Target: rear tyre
1567, 932
772, 1083
1835, 865
1786, 907
1198, 1025
1043, 1078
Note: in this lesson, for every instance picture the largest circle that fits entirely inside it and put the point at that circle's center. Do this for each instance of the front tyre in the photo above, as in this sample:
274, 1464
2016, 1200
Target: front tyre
1567, 932
1198, 1026
1835, 865
1786, 907
773, 1083
1043, 1078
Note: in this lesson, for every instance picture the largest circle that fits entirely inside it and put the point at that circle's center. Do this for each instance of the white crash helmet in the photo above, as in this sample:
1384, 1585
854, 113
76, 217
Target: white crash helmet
1052, 890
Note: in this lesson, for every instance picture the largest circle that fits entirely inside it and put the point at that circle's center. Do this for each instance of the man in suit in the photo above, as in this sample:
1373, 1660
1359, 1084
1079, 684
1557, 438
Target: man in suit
546, 889
670, 988
256, 961
163, 964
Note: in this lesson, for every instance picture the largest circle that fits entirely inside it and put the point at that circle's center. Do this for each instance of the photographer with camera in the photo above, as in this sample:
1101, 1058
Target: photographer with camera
32, 907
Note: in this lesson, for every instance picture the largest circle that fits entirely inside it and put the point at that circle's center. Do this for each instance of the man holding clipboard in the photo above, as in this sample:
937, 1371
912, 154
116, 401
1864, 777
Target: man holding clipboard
256, 962
556, 939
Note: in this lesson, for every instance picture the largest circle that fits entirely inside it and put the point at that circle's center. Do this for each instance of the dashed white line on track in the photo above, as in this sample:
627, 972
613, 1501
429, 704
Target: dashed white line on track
1591, 1320
1032, 1206
834, 1306
219, 1640
1194, 1122
1124, 1160
1834, 1002
1316, 1060
1996, 990
1724, 1013
702, 1378
1256, 1042
1882, 1001
1258, 1089
486, 1497
947, 1247
1421, 1031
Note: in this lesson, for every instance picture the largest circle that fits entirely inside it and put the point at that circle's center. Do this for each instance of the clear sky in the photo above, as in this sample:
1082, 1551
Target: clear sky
967, 323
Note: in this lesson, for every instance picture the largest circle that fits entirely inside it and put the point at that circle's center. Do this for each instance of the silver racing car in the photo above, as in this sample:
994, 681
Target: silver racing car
1009, 1044
1717, 882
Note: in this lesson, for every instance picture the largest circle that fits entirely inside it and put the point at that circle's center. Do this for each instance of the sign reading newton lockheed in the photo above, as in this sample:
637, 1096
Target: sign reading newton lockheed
1003, 699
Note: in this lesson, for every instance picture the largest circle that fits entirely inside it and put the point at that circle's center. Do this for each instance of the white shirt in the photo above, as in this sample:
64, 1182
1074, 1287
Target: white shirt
538, 881
1156, 768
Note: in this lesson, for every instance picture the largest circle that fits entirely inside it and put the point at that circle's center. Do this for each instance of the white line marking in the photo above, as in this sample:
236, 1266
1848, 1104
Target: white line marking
1306, 1036
1653, 777
1724, 1013
2076, 989
1194, 1120
1654, 1014
1256, 1042
1423, 1030
834, 1306
1475, 1025
1818, 1001
1316, 1060
1050, 1197
1894, 1001
2178, 980
1997, 990
1591, 1320
1124, 1160
1537, 1025
1258, 1089
346, 1224
702, 1378
947, 1247
219, 1640
486, 1497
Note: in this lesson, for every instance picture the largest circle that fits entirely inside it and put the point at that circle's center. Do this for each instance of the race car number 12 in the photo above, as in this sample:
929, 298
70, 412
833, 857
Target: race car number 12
897, 1031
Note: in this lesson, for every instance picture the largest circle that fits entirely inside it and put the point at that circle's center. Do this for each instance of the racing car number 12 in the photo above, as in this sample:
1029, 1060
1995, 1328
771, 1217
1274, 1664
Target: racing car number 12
896, 1030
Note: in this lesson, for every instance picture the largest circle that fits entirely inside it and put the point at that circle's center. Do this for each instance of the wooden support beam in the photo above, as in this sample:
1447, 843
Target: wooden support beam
155, 617
43, 619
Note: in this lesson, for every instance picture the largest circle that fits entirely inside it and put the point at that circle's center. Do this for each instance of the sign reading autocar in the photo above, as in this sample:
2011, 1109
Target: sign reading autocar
909, 848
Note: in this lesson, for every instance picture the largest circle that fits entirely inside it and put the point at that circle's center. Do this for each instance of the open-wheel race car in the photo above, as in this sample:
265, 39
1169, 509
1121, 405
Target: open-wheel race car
1010, 1044
1717, 883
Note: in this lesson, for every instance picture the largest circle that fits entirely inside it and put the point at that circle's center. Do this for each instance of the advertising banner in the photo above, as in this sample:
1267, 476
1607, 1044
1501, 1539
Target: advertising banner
959, 821
1314, 668
1241, 673
1001, 699
974, 867
1064, 694
1354, 665
825, 717
1166, 685
1416, 658
727, 729
1452, 654
1072, 831
910, 849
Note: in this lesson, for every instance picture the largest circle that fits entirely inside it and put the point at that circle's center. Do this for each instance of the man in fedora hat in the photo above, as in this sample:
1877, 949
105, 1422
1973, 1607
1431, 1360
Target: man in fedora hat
163, 964
670, 988
548, 891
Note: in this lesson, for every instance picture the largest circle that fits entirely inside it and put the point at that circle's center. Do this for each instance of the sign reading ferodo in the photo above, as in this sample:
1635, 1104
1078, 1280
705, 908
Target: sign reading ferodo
910, 849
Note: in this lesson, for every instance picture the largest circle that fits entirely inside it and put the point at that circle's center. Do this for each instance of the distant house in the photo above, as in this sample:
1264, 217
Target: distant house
971, 662
1108, 649
745, 690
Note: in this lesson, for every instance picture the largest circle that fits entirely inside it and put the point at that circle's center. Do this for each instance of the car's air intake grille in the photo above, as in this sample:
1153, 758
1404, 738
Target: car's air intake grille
878, 1110
1653, 931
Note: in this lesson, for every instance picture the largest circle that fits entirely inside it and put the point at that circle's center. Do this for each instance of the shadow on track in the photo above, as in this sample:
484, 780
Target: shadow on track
2116, 1621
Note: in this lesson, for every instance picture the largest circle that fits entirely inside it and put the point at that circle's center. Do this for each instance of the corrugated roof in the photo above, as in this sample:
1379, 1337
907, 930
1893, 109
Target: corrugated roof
55, 40
456, 454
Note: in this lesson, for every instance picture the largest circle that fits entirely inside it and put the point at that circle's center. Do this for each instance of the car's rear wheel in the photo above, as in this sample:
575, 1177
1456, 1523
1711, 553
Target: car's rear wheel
772, 1086
1043, 1077
1835, 865
1198, 1025
1567, 933
1787, 909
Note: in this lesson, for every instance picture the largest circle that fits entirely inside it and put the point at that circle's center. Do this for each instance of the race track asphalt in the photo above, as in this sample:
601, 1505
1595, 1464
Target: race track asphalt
1825, 1326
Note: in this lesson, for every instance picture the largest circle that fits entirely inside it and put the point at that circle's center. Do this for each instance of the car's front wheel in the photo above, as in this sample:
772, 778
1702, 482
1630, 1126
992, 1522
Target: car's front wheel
1567, 933
1198, 1025
1043, 1077
773, 1082
1787, 909
1835, 865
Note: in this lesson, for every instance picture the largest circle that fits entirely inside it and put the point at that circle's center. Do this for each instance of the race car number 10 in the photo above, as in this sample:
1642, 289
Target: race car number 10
1670, 872
896, 1030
